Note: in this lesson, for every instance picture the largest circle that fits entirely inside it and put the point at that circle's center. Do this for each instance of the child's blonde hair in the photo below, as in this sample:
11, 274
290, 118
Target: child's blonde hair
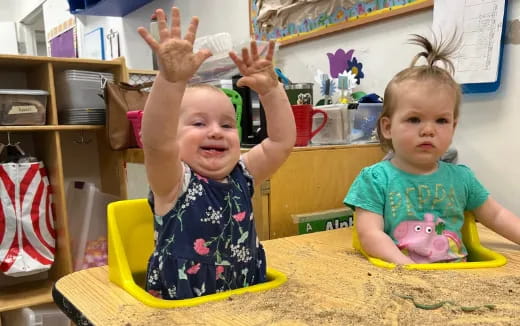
433, 53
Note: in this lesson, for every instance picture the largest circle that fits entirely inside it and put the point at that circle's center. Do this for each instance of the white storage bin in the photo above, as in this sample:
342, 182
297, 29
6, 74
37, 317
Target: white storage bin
87, 211
22, 107
80, 89
337, 127
42, 315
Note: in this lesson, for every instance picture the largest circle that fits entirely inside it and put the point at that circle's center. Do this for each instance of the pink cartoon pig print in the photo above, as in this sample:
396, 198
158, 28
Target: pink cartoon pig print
423, 244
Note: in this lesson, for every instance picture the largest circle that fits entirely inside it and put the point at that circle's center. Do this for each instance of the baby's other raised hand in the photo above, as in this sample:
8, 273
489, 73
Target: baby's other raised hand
258, 73
175, 56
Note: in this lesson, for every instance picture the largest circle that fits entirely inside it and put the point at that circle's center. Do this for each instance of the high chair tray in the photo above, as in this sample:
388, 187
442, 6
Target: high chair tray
478, 255
130, 239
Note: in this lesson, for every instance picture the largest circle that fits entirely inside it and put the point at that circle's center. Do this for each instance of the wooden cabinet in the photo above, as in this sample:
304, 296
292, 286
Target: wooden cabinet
22, 72
312, 179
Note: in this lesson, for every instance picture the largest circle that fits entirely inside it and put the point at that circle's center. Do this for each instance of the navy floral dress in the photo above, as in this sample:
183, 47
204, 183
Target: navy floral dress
207, 242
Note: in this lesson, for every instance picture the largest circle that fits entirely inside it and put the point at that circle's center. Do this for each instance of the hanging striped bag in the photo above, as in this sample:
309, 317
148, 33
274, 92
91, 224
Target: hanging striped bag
27, 234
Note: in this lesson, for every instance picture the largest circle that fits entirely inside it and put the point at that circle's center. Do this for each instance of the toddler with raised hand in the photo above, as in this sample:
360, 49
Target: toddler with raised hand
201, 185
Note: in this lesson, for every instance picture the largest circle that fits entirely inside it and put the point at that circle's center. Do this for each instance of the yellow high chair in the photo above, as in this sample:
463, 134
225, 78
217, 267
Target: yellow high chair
130, 244
478, 256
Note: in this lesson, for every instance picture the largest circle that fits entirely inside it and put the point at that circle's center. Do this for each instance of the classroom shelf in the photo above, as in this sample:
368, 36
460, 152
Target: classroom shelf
115, 8
50, 127
47, 142
24, 295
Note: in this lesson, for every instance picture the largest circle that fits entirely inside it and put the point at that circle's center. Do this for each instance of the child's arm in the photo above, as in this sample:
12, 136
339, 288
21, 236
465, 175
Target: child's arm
499, 219
373, 239
265, 158
177, 64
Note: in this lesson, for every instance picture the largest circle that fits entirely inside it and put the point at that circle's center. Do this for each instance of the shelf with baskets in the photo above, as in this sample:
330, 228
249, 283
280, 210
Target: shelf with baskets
45, 141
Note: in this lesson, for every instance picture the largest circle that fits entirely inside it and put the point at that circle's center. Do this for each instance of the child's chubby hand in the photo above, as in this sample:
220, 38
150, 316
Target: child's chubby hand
258, 73
177, 62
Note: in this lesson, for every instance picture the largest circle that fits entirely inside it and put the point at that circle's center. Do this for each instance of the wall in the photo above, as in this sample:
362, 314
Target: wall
9, 44
485, 135
486, 132
214, 17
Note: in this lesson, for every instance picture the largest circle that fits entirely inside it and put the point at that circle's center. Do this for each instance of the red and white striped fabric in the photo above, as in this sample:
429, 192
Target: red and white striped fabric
27, 234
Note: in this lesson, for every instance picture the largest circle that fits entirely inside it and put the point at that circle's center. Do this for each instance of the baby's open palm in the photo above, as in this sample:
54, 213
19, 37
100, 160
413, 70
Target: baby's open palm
177, 62
258, 73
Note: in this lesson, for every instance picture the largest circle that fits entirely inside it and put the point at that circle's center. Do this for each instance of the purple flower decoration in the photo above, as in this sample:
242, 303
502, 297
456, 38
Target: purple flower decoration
338, 61
356, 68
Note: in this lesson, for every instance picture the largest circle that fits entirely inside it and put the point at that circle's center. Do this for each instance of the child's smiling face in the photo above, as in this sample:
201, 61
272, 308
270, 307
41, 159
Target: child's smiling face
422, 125
207, 134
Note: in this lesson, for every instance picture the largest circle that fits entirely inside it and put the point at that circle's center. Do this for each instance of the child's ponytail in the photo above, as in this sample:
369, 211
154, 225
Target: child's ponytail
435, 52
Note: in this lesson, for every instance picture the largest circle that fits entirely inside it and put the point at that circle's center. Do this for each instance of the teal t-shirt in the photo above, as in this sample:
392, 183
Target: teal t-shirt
423, 214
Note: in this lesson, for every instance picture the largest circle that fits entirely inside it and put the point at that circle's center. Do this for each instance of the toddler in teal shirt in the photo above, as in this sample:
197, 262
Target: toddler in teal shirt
410, 209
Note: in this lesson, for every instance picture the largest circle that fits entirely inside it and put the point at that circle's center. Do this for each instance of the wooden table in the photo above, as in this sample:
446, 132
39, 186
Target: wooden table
328, 284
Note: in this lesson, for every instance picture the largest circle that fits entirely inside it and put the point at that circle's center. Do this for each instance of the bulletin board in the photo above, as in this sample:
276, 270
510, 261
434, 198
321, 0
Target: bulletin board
294, 21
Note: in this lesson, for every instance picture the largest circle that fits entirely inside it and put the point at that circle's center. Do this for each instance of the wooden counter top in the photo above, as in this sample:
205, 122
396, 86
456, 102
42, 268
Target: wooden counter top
328, 284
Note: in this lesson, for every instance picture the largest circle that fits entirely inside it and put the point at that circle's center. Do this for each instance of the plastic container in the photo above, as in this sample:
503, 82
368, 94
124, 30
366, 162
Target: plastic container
23, 107
478, 255
42, 315
337, 126
220, 66
129, 220
219, 44
81, 89
363, 122
87, 211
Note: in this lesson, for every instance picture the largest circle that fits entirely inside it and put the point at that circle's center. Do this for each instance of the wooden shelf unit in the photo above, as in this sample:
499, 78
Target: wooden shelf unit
38, 73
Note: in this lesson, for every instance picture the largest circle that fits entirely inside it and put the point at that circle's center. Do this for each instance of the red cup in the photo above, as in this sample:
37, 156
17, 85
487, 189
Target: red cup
303, 116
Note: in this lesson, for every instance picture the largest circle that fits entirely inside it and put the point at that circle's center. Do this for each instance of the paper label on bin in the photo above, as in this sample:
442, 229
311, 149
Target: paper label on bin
20, 109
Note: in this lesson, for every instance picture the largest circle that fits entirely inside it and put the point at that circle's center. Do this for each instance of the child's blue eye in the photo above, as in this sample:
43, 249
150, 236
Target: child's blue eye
227, 126
198, 124
414, 120
442, 121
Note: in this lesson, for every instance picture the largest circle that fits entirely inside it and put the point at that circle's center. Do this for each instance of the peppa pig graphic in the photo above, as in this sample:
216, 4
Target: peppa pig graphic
423, 243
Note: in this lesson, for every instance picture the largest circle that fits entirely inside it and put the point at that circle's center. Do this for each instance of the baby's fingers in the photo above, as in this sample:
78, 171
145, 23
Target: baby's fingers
192, 30
164, 33
246, 81
238, 62
254, 50
201, 56
270, 51
152, 43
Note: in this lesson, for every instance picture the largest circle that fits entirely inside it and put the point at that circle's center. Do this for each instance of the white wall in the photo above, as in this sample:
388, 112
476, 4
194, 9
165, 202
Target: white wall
9, 43
214, 16
486, 134
15, 10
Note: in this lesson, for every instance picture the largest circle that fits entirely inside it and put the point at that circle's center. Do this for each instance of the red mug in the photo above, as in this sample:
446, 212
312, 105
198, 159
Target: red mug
303, 116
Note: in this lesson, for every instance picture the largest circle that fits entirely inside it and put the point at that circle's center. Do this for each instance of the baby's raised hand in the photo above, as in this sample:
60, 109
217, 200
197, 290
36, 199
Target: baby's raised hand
258, 73
175, 56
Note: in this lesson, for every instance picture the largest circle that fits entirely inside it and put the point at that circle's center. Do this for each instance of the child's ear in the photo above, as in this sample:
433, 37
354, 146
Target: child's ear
385, 124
